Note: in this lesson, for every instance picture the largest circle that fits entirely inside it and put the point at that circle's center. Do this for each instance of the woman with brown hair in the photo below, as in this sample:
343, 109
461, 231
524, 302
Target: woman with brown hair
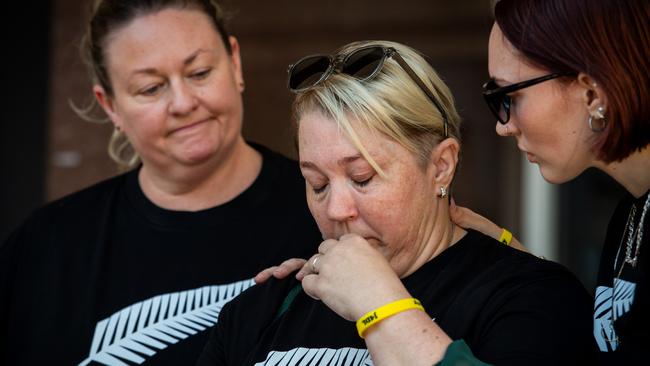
136, 268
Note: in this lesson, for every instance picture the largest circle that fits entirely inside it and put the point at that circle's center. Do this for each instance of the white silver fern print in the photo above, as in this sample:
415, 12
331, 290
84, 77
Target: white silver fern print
318, 356
137, 332
610, 303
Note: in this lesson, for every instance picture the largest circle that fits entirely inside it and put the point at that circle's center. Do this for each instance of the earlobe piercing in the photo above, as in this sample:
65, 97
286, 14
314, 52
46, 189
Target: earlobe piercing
443, 192
597, 121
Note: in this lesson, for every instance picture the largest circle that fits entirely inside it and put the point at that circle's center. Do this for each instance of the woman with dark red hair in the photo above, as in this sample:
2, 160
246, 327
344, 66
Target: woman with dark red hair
570, 81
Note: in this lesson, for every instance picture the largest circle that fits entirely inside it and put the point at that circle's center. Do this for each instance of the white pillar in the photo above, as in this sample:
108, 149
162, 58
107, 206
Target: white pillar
539, 205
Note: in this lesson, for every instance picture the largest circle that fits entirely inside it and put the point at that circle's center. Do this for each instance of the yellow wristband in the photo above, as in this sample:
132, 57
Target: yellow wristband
506, 237
383, 312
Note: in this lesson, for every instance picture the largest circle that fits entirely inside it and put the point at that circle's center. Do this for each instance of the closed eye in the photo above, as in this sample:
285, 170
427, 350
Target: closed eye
151, 90
319, 190
362, 183
201, 74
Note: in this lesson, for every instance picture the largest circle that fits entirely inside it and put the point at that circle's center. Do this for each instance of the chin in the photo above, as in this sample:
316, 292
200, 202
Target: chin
197, 155
558, 175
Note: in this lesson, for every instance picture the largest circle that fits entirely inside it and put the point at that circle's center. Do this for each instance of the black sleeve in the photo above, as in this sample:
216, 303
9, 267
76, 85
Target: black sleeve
214, 352
524, 328
243, 321
9, 257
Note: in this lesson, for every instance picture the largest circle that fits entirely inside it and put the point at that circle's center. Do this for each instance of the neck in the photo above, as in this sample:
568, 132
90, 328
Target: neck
198, 187
440, 235
633, 173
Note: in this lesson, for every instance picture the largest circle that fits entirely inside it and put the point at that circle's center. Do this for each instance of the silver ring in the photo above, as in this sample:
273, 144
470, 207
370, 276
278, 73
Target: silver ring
313, 263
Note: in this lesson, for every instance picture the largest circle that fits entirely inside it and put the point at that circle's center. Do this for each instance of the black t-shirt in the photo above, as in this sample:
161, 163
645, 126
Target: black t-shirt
510, 307
106, 276
626, 340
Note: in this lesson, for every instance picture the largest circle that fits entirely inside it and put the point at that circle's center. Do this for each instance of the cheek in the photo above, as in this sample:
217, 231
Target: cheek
317, 210
390, 212
144, 123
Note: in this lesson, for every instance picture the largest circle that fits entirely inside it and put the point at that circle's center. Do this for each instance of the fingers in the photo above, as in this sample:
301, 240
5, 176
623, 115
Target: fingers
325, 246
314, 263
309, 285
288, 266
307, 268
265, 275
281, 271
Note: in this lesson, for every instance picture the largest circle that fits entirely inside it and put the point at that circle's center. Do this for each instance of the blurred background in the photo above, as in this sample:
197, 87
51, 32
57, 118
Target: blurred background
47, 151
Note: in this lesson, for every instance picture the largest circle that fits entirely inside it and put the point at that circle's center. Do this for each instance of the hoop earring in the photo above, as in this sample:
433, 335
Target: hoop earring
599, 115
443, 192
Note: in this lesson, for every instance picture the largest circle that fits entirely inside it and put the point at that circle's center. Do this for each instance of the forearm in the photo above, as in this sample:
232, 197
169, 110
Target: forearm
407, 338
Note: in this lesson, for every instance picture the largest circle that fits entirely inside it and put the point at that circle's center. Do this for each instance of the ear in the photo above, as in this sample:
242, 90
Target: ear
593, 95
235, 59
443, 162
108, 105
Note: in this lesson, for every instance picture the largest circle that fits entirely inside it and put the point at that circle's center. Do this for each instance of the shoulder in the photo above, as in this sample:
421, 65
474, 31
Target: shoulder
278, 167
243, 321
503, 274
86, 198
73, 210
491, 255
512, 297
274, 292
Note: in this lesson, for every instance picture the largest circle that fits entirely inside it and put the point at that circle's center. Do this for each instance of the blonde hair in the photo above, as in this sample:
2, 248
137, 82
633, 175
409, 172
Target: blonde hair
390, 103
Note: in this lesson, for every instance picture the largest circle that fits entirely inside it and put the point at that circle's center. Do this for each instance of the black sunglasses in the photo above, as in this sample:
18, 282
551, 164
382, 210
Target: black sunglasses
362, 64
499, 101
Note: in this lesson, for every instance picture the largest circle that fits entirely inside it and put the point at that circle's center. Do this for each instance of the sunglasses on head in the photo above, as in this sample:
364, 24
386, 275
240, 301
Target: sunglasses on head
362, 64
499, 101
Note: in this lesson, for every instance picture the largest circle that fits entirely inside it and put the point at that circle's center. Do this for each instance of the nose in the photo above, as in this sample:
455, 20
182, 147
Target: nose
341, 206
183, 99
505, 130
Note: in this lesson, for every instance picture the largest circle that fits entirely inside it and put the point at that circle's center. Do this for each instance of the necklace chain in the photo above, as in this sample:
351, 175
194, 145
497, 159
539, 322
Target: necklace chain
634, 240
635, 234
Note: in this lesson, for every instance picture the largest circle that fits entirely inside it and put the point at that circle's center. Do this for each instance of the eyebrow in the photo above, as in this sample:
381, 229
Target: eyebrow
344, 161
188, 60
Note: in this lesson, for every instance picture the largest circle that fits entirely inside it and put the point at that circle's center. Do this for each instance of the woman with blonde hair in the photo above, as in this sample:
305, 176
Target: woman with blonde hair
378, 139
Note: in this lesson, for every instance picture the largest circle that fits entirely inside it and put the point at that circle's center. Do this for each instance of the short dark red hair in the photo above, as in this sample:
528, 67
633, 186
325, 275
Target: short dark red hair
608, 40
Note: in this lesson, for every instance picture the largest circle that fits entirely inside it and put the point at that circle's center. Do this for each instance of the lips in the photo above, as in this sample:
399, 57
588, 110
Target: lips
187, 127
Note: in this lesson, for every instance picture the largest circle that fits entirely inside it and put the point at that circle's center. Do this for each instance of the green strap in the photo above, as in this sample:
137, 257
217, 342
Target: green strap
457, 354
288, 300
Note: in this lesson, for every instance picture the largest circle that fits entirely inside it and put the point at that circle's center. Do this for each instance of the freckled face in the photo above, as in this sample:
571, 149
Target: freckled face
346, 195
177, 91
549, 120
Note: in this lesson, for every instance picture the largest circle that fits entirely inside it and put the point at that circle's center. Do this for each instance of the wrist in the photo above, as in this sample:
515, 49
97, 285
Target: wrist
386, 311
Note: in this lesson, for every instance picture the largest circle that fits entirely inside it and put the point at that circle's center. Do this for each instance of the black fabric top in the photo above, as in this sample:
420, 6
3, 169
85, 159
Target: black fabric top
104, 276
627, 339
510, 307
